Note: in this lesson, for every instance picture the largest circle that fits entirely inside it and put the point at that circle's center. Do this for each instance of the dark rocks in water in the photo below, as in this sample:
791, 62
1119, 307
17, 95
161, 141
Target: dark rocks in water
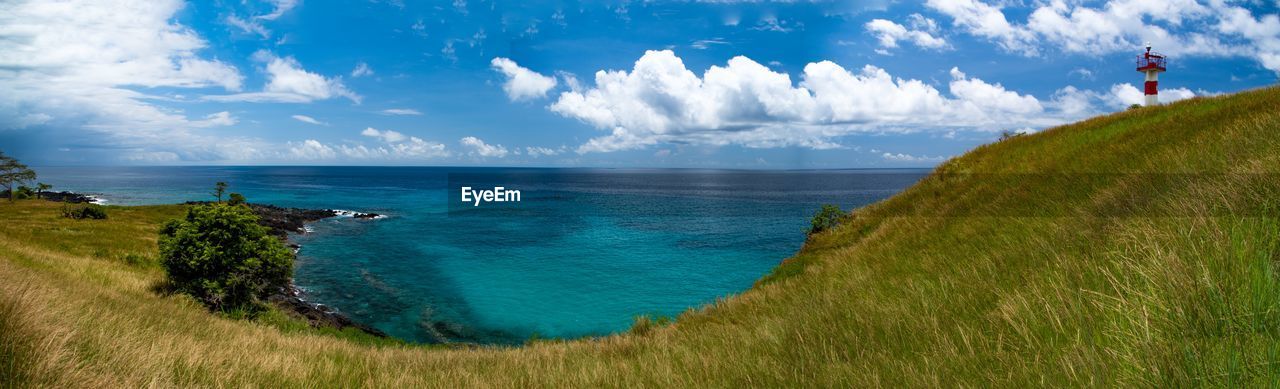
290, 299
62, 197
67, 197
280, 220
365, 215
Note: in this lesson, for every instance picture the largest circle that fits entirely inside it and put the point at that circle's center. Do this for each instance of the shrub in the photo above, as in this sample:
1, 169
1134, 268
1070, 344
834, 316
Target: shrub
91, 211
235, 199
827, 218
221, 256
23, 192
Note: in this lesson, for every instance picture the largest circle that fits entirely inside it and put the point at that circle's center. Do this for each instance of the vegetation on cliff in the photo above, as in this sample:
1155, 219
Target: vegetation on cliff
1134, 249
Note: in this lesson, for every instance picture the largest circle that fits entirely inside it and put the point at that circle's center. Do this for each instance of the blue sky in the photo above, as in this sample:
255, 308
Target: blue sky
721, 84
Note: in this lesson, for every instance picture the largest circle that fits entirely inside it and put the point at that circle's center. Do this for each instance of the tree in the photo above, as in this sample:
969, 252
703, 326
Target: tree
13, 172
827, 218
41, 188
235, 199
221, 256
219, 189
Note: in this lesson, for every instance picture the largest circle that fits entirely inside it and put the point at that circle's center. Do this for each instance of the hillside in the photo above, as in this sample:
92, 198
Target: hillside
1139, 248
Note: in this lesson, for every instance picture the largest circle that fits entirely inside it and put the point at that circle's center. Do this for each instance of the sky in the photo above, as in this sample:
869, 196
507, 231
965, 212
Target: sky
696, 84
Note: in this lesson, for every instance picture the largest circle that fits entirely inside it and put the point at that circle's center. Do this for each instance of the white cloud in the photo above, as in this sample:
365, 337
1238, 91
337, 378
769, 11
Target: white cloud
1175, 27
541, 151
74, 65
703, 44
1124, 95
288, 82
401, 111
772, 23
250, 26
281, 7
362, 69
989, 98
386, 136
522, 83
219, 119
310, 149
746, 103
478, 147
392, 146
987, 21
889, 33
308, 119
900, 157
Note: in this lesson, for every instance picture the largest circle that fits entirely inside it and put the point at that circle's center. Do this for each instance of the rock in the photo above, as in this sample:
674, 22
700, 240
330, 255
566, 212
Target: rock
318, 315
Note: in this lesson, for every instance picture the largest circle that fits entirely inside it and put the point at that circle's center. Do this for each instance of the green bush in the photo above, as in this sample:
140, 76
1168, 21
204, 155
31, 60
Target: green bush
221, 256
827, 218
235, 199
23, 192
91, 211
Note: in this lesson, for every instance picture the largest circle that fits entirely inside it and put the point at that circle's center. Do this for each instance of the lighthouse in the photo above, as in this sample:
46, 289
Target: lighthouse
1151, 64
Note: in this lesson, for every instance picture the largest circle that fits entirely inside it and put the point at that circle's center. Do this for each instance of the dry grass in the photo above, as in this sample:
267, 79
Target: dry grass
1025, 262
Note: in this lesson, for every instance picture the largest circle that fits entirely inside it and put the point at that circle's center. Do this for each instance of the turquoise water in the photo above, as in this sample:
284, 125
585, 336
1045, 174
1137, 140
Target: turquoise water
582, 253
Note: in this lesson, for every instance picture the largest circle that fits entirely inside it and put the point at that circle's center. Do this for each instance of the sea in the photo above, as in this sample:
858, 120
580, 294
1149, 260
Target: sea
583, 253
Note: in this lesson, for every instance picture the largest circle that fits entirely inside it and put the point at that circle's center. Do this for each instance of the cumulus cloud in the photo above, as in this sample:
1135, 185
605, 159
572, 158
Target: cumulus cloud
389, 145
401, 111
1124, 95
310, 149
386, 136
73, 65
308, 119
1176, 27
478, 147
288, 82
987, 21
746, 103
522, 83
920, 34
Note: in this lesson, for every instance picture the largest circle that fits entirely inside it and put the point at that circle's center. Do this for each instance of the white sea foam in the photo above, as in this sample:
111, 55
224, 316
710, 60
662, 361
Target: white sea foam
346, 213
94, 199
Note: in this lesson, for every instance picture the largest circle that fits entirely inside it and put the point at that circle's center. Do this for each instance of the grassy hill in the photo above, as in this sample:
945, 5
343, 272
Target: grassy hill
1139, 248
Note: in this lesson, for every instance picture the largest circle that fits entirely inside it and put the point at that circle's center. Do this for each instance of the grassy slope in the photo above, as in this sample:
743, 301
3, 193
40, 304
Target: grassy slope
976, 275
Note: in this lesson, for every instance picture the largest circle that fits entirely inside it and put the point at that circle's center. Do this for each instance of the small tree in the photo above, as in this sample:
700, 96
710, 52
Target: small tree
13, 172
219, 189
220, 255
235, 199
827, 218
41, 188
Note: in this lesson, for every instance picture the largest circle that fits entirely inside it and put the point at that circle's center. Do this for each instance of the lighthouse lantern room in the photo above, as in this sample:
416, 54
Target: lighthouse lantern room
1152, 64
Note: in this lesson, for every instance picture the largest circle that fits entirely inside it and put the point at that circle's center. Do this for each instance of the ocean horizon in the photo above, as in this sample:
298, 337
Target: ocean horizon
582, 253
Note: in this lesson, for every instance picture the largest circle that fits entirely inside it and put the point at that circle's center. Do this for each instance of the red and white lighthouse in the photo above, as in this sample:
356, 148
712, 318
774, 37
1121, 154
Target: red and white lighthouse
1152, 64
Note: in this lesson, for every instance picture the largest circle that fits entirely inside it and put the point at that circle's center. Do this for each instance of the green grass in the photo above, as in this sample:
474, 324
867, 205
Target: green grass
1135, 249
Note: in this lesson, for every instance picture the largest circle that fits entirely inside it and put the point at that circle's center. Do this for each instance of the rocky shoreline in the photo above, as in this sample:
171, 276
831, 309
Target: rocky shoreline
291, 299
281, 221
63, 197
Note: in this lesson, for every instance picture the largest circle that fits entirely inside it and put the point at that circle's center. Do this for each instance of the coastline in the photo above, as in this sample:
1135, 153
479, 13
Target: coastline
282, 221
